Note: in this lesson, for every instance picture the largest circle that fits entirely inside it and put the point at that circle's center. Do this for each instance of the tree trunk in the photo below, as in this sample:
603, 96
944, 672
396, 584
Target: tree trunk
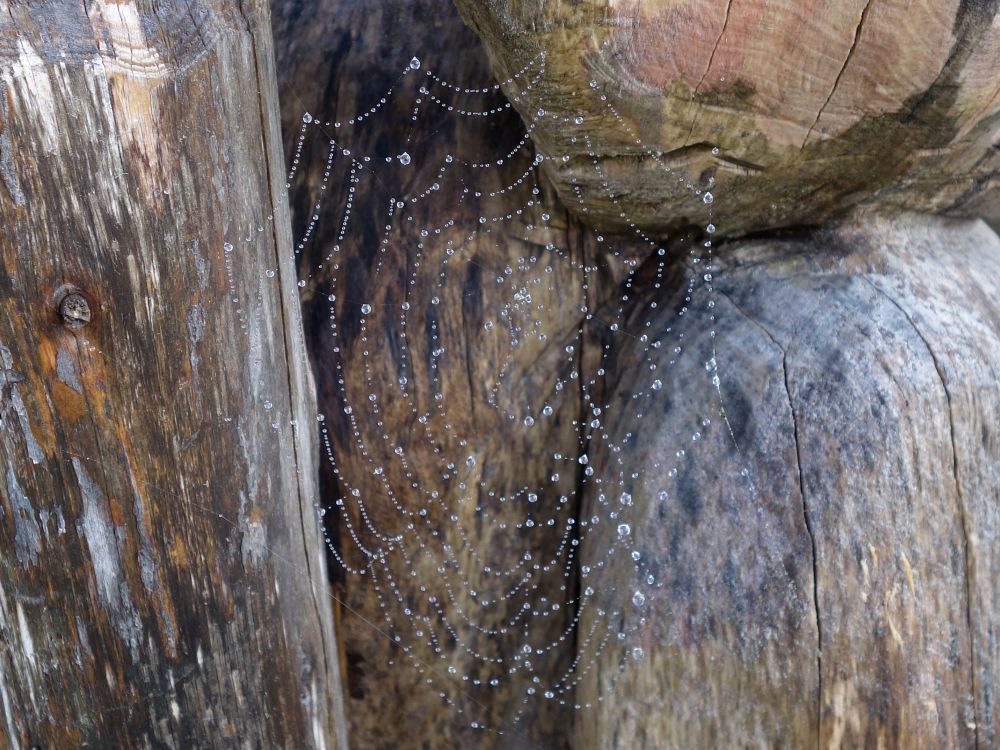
163, 583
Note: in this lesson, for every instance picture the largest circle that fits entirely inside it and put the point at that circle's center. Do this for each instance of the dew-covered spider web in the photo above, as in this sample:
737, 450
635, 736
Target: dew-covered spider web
487, 367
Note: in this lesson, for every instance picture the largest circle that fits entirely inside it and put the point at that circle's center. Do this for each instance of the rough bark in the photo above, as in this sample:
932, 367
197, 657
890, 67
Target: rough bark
162, 582
829, 570
815, 107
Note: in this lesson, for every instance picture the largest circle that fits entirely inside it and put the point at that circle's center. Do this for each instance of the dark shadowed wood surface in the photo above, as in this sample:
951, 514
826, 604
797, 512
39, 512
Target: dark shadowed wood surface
814, 106
162, 582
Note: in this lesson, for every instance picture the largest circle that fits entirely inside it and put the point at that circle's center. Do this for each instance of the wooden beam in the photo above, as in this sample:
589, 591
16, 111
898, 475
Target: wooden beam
814, 108
162, 579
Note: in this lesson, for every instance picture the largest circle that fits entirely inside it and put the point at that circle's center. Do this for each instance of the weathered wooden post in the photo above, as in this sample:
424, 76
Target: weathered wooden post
162, 580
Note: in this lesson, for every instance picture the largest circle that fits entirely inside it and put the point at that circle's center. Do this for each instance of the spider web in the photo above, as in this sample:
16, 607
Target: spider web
469, 336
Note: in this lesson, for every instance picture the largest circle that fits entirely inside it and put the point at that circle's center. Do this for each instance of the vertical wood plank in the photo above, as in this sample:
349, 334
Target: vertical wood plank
161, 576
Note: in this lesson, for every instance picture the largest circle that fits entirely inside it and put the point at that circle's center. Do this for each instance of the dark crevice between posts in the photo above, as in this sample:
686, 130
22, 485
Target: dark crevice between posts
960, 502
577, 511
805, 508
471, 308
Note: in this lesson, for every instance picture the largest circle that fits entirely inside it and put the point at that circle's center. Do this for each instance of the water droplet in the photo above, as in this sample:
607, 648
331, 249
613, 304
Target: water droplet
547, 410
708, 198
307, 118
366, 309
657, 384
404, 159
638, 598
529, 421
624, 529
710, 228
414, 64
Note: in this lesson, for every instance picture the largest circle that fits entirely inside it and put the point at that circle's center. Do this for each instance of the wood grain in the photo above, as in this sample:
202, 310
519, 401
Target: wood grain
815, 107
162, 582
827, 571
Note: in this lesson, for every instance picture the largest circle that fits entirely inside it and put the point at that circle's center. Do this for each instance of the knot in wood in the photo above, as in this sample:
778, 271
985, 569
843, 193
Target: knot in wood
74, 310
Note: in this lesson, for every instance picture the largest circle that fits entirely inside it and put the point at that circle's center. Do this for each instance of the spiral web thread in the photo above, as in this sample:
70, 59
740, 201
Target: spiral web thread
429, 521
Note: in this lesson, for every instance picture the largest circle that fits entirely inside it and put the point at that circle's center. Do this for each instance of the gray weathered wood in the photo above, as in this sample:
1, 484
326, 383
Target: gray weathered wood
162, 581
844, 592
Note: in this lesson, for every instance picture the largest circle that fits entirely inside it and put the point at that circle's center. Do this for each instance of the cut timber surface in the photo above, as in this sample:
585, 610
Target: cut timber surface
816, 106
831, 566
162, 581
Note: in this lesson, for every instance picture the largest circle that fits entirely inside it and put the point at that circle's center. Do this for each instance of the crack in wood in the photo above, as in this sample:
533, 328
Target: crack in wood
960, 501
843, 69
805, 509
704, 75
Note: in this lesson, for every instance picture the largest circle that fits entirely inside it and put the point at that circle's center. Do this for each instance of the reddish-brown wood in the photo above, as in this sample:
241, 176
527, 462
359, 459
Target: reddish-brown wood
815, 107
